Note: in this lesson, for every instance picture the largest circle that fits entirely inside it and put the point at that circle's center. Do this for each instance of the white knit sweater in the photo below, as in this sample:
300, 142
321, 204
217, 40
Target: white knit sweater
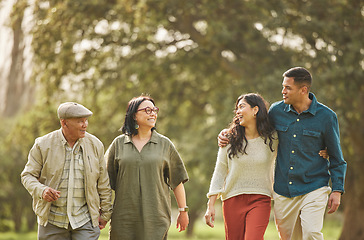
250, 173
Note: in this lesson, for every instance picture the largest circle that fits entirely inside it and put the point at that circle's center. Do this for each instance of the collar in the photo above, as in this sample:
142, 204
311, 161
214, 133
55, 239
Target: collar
312, 109
154, 138
64, 141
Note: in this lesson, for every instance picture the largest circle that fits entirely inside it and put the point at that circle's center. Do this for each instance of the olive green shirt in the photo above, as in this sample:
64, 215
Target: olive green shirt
142, 182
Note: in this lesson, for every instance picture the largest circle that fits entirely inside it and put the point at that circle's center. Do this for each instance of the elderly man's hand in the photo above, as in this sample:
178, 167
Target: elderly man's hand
102, 223
50, 194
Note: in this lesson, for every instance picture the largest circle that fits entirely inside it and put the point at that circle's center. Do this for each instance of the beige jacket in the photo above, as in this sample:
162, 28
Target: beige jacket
44, 168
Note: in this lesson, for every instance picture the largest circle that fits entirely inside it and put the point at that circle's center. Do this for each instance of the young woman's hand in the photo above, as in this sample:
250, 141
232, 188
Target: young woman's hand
324, 154
210, 216
210, 212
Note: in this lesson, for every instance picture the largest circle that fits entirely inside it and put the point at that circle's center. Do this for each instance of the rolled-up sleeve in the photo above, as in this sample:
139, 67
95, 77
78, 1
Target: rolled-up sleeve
177, 170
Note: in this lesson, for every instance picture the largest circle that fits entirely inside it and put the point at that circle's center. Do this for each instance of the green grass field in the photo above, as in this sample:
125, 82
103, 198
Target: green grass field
332, 229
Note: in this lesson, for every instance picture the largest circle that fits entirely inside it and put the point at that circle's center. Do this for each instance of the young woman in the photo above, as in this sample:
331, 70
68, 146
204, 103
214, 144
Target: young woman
243, 174
143, 166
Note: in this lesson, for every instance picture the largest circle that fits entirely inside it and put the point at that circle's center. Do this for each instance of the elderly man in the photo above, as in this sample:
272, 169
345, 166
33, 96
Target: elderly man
67, 178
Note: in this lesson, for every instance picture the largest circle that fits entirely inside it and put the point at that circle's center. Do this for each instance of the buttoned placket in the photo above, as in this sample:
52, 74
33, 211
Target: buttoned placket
71, 184
293, 152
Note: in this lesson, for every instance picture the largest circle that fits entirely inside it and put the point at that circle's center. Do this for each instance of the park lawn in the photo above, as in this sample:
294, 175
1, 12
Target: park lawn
332, 229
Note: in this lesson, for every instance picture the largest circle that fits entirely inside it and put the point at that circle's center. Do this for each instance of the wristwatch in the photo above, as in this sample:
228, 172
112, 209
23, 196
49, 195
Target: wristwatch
184, 209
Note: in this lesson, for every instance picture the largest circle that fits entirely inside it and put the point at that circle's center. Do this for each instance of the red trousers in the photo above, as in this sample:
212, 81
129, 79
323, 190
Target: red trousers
246, 216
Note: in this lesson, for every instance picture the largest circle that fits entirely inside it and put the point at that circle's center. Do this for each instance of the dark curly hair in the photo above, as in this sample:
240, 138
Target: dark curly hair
236, 132
129, 124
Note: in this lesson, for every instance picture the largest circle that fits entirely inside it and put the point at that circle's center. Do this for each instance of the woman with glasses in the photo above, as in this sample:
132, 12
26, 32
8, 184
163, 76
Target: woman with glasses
143, 167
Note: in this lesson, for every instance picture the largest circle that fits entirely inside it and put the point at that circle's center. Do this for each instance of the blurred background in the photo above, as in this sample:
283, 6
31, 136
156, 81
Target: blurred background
194, 58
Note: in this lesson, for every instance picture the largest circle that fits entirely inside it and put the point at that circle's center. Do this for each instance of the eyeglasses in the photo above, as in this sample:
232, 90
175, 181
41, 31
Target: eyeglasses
149, 110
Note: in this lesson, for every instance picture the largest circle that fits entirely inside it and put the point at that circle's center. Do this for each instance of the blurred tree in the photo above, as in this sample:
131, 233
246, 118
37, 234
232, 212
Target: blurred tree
20, 135
16, 93
105, 53
195, 58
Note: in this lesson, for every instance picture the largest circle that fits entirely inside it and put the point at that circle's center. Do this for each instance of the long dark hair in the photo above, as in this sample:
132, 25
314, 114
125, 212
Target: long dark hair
236, 132
129, 124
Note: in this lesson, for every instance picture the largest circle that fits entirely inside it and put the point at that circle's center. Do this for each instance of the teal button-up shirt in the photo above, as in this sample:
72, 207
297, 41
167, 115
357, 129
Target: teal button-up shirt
299, 168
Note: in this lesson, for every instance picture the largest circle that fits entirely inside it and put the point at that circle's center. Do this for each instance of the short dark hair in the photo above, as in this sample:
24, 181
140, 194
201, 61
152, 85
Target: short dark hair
129, 124
300, 75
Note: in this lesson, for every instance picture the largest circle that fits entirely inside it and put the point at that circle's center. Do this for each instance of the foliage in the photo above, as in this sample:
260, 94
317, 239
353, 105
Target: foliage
195, 58
103, 54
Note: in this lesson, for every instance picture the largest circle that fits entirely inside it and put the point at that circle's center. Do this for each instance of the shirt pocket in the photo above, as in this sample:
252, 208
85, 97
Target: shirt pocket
311, 140
282, 132
281, 128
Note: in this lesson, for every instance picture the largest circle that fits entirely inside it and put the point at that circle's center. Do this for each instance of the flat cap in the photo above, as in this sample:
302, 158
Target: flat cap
72, 110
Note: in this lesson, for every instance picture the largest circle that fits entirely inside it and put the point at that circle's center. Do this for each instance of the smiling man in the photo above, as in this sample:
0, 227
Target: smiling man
67, 178
301, 184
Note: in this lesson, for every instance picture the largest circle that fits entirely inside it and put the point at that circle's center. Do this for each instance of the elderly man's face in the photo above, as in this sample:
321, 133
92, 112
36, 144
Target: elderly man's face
75, 128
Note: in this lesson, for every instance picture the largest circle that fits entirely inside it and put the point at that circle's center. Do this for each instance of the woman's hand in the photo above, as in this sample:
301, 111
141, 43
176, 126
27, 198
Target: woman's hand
324, 154
182, 221
210, 212
180, 195
210, 216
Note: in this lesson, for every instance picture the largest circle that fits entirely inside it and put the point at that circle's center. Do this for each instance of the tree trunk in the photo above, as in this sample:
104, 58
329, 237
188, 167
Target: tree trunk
31, 220
354, 211
15, 66
193, 217
354, 225
17, 215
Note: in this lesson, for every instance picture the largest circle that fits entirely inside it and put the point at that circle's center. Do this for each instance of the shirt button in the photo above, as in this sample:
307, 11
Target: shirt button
290, 183
298, 120
292, 151
294, 135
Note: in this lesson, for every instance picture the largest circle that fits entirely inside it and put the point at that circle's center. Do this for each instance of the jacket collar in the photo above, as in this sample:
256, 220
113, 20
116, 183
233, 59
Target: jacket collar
77, 145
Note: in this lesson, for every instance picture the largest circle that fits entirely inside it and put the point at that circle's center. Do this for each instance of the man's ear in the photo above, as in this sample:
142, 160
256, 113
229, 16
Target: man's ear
304, 89
63, 122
